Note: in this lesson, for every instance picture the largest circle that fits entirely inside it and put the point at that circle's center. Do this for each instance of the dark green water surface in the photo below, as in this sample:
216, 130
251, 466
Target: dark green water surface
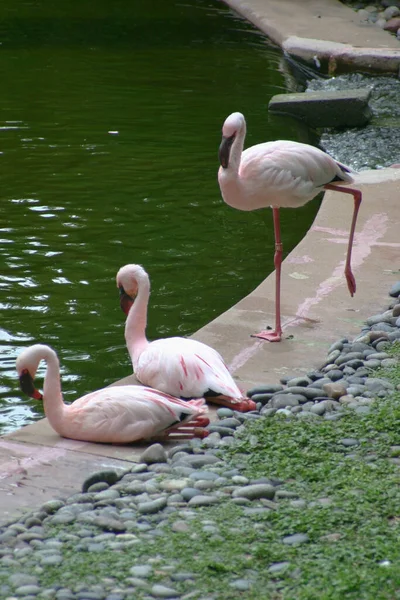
110, 121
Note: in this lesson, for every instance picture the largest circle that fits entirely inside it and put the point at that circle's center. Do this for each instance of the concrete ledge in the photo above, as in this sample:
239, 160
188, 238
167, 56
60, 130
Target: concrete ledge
326, 33
347, 108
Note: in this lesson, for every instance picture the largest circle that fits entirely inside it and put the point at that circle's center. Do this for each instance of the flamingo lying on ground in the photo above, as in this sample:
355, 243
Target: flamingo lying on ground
279, 174
118, 414
179, 366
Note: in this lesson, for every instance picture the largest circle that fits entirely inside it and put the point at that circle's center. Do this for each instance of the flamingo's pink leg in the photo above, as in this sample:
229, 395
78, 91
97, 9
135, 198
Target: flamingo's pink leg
351, 282
276, 335
184, 431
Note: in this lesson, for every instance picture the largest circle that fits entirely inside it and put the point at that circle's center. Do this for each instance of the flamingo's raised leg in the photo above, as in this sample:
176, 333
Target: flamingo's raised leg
351, 282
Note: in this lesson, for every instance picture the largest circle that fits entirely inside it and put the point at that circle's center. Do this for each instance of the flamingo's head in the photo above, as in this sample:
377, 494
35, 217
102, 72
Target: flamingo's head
129, 279
233, 124
27, 365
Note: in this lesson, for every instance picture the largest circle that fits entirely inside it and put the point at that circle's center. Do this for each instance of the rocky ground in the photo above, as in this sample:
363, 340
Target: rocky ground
268, 506
385, 14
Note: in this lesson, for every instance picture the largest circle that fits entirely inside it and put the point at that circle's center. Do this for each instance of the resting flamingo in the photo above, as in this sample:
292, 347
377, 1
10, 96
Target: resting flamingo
279, 174
117, 414
179, 366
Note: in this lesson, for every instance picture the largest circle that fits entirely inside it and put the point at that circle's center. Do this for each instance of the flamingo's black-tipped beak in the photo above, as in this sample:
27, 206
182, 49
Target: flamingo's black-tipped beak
225, 150
27, 385
125, 300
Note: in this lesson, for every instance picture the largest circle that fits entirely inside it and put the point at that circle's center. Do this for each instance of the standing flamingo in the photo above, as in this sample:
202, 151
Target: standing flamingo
279, 174
179, 366
118, 414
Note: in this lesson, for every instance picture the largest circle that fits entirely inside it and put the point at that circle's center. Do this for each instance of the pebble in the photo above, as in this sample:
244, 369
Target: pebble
154, 454
162, 591
296, 539
256, 491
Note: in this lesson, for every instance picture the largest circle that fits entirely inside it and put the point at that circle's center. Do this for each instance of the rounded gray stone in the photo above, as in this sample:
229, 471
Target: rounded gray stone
154, 454
202, 500
22, 579
255, 491
395, 290
27, 590
284, 400
241, 584
299, 381
265, 389
296, 539
153, 506
223, 413
162, 591
309, 392
141, 571
349, 442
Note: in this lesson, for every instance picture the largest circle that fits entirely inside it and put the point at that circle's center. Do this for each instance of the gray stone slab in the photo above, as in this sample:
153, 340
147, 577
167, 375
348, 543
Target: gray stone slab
347, 108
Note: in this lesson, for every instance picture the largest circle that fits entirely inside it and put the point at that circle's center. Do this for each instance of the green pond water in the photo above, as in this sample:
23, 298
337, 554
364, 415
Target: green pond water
110, 121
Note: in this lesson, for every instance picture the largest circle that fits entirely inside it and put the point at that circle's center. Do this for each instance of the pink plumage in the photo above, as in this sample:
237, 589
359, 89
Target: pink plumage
179, 366
116, 414
279, 174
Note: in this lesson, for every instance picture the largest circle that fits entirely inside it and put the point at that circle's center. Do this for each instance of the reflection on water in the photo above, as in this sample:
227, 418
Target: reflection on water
110, 121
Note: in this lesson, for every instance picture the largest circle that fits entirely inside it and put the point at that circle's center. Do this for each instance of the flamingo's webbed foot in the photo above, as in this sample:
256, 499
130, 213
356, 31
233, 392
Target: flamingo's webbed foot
269, 336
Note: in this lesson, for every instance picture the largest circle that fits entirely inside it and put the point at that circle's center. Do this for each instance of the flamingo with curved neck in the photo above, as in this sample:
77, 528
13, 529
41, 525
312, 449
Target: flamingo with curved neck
178, 366
279, 174
116, 414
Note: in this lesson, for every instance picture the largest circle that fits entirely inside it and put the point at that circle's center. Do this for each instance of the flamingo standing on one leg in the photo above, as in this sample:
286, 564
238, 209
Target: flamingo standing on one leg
117, 414
178, 366
279, 174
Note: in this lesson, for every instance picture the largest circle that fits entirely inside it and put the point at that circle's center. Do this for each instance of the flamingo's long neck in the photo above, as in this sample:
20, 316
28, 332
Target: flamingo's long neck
136, 322
229, 178
53, 403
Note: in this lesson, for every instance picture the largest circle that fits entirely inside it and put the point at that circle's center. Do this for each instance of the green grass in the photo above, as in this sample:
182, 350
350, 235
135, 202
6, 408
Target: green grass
353, 550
